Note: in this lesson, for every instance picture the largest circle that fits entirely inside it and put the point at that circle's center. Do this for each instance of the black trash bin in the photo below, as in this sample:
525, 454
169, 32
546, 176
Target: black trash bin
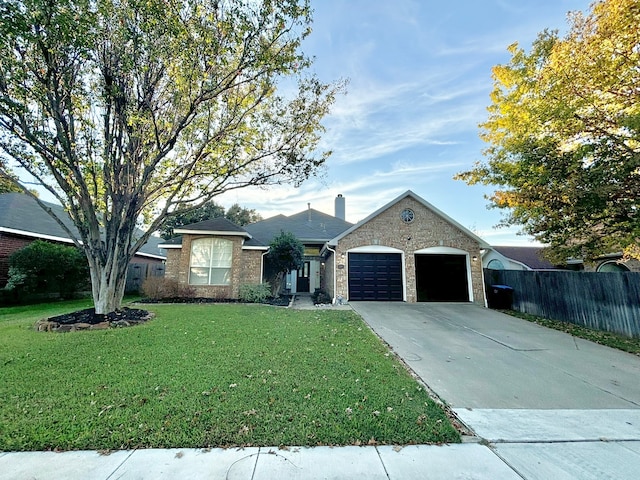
500, 297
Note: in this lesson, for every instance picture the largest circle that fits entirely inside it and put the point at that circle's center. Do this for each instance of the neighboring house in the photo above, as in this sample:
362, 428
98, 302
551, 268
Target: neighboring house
613, 262
22, 221
531, 258
408, 250
516, 258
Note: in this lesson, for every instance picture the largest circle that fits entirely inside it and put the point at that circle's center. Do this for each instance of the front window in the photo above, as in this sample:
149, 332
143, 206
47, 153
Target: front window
210, 261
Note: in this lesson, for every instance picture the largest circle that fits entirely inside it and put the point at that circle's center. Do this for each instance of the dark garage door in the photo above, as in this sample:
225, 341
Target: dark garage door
375, 277
442, 278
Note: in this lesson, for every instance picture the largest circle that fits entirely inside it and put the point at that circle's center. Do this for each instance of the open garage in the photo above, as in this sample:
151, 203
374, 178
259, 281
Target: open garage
375, 277
442, 278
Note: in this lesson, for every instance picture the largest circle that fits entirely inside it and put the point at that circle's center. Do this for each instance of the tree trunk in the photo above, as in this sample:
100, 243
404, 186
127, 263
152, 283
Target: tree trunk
276, 284
107, 284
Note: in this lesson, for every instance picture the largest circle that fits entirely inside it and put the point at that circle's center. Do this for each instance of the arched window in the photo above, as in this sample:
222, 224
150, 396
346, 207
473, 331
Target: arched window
210, 261
612, 266
495, 265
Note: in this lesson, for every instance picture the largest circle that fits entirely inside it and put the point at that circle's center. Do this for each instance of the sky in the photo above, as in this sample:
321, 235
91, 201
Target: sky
419, 74
419, 79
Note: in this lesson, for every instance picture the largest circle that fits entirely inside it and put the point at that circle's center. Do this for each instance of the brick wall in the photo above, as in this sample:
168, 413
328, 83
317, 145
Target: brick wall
427, 230
245, 267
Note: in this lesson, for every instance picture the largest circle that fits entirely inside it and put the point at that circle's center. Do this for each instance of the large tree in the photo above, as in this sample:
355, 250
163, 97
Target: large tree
128, 110
564, 135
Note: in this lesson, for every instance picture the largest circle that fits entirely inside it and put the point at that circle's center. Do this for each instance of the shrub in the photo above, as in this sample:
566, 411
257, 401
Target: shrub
254, 293
160, 288
47, 268
320, 296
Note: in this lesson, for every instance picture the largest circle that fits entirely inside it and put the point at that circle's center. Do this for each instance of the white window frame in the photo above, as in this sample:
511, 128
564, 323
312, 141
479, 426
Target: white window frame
219, 261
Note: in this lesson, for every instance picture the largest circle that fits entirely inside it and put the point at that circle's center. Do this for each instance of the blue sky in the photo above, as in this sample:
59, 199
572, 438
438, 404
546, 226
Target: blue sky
419, 76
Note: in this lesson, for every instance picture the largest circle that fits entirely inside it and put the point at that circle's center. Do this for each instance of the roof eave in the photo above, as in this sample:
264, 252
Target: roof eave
212, 232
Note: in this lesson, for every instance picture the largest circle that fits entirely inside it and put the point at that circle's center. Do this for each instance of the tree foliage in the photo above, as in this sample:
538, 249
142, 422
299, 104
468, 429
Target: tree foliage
286, 253
43, 267
128, 110
564, 135
241, 215
8, 181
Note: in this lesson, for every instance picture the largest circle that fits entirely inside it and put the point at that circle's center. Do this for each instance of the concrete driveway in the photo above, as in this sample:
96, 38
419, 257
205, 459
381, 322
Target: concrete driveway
550, 405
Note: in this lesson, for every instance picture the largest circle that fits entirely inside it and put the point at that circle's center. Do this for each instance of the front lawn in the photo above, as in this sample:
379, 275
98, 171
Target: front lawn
206, 376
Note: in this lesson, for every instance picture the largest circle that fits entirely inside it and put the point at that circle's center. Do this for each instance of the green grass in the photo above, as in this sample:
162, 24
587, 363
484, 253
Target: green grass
613, 340
208, 375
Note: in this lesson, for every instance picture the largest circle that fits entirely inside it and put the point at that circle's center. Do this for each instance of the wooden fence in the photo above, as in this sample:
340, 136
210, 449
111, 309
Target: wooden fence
602, 301
138, 273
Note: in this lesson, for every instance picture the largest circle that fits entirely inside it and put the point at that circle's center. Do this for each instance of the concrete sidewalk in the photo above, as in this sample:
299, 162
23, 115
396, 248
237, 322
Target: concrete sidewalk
468, 461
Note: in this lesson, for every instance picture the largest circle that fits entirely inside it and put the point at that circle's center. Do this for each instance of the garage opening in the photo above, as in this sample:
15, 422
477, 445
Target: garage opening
442, 278
375, 277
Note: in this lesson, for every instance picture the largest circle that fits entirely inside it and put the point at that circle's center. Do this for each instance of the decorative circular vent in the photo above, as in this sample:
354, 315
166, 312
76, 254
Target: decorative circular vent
407, 215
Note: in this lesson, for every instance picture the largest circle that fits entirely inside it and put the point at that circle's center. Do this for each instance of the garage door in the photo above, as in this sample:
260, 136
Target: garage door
375, 277
442, 278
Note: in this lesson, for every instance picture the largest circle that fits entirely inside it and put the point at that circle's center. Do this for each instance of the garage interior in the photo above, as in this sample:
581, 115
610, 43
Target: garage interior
441, 278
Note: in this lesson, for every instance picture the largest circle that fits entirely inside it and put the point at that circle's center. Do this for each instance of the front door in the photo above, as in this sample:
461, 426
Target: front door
303, 278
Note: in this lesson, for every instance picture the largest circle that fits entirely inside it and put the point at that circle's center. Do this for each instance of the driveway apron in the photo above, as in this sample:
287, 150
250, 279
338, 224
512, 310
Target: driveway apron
549, 404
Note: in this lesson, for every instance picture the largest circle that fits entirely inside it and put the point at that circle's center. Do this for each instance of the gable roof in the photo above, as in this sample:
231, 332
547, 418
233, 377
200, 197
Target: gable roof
308, 226
21, 215
424, 203
528, 256
214, 226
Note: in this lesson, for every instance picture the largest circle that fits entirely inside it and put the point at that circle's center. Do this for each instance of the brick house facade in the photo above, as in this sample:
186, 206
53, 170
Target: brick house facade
406, 251
244, 258
429, 232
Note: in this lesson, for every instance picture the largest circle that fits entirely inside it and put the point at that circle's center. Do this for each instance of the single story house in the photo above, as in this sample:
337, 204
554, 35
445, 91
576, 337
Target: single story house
22, 221
407, 250
516, 258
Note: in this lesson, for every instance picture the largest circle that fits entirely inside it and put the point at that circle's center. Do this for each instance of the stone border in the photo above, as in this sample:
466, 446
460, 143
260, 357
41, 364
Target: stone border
46, 325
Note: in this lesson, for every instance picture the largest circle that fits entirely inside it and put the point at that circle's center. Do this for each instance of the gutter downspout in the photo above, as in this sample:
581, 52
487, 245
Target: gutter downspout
262, 266
335, 278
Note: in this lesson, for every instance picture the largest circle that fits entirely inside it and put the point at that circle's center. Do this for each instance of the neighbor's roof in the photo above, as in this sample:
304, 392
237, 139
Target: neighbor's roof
529, 256
423, 202
21, 215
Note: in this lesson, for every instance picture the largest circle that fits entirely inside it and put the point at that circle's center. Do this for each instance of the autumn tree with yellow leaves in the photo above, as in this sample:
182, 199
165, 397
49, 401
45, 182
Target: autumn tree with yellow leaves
564, 135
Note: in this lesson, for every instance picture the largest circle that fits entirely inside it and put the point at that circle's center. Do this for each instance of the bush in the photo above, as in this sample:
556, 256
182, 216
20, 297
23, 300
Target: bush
254, 293
47, 268
320, 296
160, 288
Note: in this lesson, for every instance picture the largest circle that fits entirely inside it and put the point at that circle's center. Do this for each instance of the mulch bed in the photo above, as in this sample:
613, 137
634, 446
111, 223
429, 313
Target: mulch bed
88, 319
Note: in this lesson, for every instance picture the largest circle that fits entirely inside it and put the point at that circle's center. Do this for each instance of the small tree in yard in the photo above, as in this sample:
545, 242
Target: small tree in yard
285, 254
129, 110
